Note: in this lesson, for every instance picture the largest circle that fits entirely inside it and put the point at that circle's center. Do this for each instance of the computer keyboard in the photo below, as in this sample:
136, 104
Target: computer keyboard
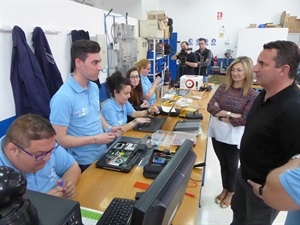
117, 212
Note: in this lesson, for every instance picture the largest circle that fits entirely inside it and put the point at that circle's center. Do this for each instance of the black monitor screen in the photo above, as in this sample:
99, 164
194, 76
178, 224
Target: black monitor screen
160, 202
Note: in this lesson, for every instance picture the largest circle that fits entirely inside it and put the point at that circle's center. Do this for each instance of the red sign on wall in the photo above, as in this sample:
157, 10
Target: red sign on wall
219, 15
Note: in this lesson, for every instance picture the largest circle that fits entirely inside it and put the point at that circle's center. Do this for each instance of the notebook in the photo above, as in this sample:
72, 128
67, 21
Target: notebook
155, 124
122, 155
187, 125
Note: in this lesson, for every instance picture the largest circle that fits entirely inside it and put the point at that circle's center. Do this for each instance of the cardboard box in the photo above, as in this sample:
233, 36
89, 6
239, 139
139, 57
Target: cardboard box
284, 19
252, 25
191, 82
156, 15
297, 26
166, 33
150, 29
291, 23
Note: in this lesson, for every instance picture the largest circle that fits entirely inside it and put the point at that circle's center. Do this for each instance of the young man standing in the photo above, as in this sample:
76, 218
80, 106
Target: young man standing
75, 108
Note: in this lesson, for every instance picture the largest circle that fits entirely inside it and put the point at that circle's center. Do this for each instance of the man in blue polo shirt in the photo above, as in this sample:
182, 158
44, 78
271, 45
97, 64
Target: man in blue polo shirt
75, 108
29, 146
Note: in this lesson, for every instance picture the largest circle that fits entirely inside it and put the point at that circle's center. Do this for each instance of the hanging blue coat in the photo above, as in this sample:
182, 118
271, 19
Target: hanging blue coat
27, 80
46, 61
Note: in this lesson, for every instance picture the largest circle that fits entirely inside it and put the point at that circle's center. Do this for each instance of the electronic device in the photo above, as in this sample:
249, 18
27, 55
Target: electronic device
160, 202
187, 125
54, 210
122, 155
155, 124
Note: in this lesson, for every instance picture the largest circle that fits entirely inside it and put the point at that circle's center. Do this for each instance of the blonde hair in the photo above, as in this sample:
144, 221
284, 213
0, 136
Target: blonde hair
143, 63
248, 70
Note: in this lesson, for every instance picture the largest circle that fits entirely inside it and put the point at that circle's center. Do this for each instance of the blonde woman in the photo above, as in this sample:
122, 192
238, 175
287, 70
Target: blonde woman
144, 67
229, 107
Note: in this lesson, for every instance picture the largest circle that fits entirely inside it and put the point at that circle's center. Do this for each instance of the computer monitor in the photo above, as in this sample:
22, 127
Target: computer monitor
160, 202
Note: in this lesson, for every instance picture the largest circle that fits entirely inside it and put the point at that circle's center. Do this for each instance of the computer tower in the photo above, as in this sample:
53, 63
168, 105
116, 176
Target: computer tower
54, 210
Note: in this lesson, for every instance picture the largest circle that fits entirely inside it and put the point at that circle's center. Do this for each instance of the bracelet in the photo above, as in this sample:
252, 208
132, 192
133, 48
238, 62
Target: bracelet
95, 139
107, 129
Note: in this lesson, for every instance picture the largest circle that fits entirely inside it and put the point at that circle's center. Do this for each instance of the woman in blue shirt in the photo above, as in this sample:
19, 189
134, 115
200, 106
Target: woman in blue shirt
144, 67
116, 109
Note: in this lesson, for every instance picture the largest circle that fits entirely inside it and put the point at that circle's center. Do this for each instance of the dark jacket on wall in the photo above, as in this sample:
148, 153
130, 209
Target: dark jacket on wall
27, 80
46, 61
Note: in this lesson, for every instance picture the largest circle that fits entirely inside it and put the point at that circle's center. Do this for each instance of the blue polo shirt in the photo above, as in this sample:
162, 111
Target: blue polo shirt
115, 114
79, 109
146, 85
290, 180
46, 178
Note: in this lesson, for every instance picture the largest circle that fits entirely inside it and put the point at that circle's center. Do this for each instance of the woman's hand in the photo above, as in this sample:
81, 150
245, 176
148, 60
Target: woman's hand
145, 104
153, 109
142, 120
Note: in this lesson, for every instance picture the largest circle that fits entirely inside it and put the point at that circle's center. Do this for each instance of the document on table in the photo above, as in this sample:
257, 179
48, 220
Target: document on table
90, 216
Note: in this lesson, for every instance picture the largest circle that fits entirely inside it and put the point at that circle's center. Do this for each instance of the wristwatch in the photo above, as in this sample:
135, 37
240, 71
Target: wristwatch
296, 156
228, 114
260, 191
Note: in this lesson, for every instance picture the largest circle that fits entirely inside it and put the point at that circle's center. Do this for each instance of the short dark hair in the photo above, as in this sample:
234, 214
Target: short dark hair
185, 43
116, 82
27, 128
202, 39
287, 53
81, 48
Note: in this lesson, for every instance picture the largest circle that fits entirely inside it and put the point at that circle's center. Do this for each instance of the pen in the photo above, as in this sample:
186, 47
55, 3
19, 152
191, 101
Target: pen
61, 183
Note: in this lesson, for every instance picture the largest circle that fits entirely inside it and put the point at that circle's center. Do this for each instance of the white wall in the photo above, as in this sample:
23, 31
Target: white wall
198, 18
60, 15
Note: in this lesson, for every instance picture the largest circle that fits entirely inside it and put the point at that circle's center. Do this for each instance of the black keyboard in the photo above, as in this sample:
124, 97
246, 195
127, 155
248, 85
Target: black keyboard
118, 212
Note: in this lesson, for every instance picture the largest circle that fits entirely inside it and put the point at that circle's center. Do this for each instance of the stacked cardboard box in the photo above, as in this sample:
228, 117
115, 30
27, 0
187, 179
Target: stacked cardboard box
291, 22
155, 26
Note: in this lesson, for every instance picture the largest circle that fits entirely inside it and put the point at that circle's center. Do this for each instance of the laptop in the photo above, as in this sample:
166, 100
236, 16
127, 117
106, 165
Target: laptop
155, 124
122, 155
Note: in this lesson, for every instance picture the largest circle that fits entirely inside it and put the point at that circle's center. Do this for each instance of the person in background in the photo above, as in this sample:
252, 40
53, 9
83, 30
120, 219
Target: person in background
282, 189
148, 88
116, 109
271, 135
204, 57
75, 108
29, 146
187, 60
136, 94
227, 60
229, 107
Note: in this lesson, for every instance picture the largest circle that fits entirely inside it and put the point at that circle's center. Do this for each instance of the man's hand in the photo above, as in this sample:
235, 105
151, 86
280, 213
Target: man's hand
105, 138
69, 189
117, 130
255, 188
58, 191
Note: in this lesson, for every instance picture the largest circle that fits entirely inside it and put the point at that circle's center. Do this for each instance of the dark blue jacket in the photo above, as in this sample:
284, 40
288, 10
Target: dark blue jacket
27, 80
46, 61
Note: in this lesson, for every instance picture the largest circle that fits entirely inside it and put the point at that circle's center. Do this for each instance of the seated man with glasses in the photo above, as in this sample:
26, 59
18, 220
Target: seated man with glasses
29, 146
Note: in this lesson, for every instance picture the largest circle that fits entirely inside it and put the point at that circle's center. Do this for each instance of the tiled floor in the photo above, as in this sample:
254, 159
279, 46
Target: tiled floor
210, 213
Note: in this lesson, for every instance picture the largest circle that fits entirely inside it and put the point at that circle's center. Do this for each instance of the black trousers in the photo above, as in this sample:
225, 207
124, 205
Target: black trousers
228, 156
249, 209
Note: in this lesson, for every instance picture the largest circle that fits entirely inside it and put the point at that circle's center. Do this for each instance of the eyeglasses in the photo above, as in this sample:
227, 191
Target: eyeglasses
40, 156
135, 77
